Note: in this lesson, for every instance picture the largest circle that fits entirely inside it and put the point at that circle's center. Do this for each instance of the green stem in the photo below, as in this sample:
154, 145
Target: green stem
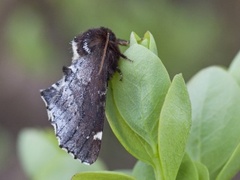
157, 170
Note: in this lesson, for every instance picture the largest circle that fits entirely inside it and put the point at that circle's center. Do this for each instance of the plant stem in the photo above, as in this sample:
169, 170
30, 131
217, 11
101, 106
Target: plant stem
157, 170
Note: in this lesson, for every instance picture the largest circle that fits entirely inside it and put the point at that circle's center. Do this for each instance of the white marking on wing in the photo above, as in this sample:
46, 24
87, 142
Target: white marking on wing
74, 49
86, 163
86, 48
98, 136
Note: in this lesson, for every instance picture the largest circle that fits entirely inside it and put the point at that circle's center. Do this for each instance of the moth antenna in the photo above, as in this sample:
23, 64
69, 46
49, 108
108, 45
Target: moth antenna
104, 54
122, 42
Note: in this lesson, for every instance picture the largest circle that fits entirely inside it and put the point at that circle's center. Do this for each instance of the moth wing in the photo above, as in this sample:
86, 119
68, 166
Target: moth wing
76, 109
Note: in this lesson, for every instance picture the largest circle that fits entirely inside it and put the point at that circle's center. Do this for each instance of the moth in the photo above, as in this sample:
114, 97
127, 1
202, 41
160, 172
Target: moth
76, 103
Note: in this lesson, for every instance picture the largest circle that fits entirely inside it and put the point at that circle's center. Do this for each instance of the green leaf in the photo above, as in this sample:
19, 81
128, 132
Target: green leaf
232, 167
203, 173
133, 105
151, 45
41, 157
215, 132
131, 141
143, 171
174, 127
234, 68
147, 41
101, 176
140, 95
187, 170
134, 39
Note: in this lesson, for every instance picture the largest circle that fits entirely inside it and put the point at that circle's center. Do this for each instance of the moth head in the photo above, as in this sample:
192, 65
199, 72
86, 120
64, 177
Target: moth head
92, 40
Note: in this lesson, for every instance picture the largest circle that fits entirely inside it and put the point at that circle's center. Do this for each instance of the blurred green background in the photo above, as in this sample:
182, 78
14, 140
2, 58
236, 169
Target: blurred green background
34, 45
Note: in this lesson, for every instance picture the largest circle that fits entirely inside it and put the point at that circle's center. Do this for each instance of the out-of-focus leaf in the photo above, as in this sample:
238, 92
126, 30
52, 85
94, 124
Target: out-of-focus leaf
234, 68
215, 132
203, 173
41, 157
187, 170
101, 176
27, 41
143, 171
232, 167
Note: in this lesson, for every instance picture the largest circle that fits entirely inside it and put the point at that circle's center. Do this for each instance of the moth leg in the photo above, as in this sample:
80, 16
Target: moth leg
120, 73
122, 42
125, 57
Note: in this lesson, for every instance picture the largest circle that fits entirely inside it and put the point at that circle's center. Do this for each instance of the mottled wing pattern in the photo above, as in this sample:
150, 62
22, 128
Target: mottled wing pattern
76, 108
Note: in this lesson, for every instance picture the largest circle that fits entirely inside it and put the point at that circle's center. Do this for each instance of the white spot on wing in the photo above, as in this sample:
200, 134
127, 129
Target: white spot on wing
102, 93
56, 86
73, 68
74, 49
98, 136
85, 47
86, 163
50, 116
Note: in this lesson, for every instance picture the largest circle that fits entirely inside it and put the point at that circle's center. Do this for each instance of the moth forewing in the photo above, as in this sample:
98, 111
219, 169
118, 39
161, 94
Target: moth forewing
76, 103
